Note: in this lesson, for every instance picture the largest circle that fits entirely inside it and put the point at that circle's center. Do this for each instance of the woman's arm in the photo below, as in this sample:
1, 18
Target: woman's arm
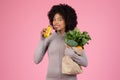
82, 60
41, 49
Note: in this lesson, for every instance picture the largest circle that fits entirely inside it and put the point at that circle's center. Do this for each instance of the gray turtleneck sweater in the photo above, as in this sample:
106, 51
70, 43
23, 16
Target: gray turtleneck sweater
55, 45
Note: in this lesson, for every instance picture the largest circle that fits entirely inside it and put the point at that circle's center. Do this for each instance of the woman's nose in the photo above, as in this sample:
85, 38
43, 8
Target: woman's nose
56, 22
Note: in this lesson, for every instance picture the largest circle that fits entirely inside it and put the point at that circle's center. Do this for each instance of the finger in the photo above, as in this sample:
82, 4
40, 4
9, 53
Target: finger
42, 33
50, 33
45, 29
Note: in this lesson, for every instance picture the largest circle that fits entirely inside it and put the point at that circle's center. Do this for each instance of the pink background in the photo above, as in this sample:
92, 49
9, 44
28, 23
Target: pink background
22, 20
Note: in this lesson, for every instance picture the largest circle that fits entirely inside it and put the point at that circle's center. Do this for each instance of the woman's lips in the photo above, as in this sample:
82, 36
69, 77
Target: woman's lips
56, 26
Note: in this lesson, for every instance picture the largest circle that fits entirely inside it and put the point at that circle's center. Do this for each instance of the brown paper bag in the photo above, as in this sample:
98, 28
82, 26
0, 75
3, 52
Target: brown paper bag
69, 66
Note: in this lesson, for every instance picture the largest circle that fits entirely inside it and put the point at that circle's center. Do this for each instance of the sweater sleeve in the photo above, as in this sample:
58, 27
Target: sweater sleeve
41, 49
82, 60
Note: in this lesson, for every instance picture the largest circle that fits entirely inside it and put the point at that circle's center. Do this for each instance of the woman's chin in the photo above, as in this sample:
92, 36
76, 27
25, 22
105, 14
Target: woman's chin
57, 29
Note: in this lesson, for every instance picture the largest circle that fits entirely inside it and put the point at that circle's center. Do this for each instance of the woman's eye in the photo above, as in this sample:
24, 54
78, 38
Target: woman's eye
60, 19
53, 19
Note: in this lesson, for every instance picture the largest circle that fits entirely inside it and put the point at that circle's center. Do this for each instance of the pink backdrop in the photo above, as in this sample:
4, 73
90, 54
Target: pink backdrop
20, 25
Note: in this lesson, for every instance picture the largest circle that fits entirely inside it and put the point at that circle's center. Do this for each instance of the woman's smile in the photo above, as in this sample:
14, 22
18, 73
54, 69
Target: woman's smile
56, 25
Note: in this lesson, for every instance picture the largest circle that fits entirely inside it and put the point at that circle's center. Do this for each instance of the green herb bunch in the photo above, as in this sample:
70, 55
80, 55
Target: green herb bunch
75, 38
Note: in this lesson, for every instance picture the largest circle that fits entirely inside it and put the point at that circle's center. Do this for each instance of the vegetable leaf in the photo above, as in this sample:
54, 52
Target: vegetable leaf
77, 38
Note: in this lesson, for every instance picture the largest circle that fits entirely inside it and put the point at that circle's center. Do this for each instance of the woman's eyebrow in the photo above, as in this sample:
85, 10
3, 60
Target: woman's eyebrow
59, 18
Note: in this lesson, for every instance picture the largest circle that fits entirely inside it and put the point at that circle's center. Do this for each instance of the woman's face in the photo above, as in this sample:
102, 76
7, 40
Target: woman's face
59, 23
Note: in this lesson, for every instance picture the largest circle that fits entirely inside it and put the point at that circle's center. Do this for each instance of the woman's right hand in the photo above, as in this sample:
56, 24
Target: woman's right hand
44, 30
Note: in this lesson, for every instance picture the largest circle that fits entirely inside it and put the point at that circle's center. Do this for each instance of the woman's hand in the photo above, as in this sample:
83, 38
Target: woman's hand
73, 49
44, 30
69, 51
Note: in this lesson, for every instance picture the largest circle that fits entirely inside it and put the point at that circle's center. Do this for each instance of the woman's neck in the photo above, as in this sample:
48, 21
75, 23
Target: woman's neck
61, 32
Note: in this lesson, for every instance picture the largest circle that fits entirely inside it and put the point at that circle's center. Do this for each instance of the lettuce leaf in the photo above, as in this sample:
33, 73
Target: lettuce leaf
76, 38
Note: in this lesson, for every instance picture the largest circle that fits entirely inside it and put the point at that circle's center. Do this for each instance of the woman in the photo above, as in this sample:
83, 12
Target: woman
63, 18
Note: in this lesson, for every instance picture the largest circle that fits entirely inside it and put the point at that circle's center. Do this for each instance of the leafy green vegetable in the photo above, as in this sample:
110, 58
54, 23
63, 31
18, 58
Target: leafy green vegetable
72, 43
76, 38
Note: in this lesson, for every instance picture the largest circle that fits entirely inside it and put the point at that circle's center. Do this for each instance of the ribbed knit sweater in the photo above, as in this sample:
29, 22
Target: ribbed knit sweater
55, 45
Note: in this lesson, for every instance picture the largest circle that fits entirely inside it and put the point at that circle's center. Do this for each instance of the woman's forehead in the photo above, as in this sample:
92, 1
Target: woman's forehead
57, 15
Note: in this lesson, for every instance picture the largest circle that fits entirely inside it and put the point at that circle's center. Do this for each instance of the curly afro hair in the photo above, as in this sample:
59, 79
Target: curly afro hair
68, 14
